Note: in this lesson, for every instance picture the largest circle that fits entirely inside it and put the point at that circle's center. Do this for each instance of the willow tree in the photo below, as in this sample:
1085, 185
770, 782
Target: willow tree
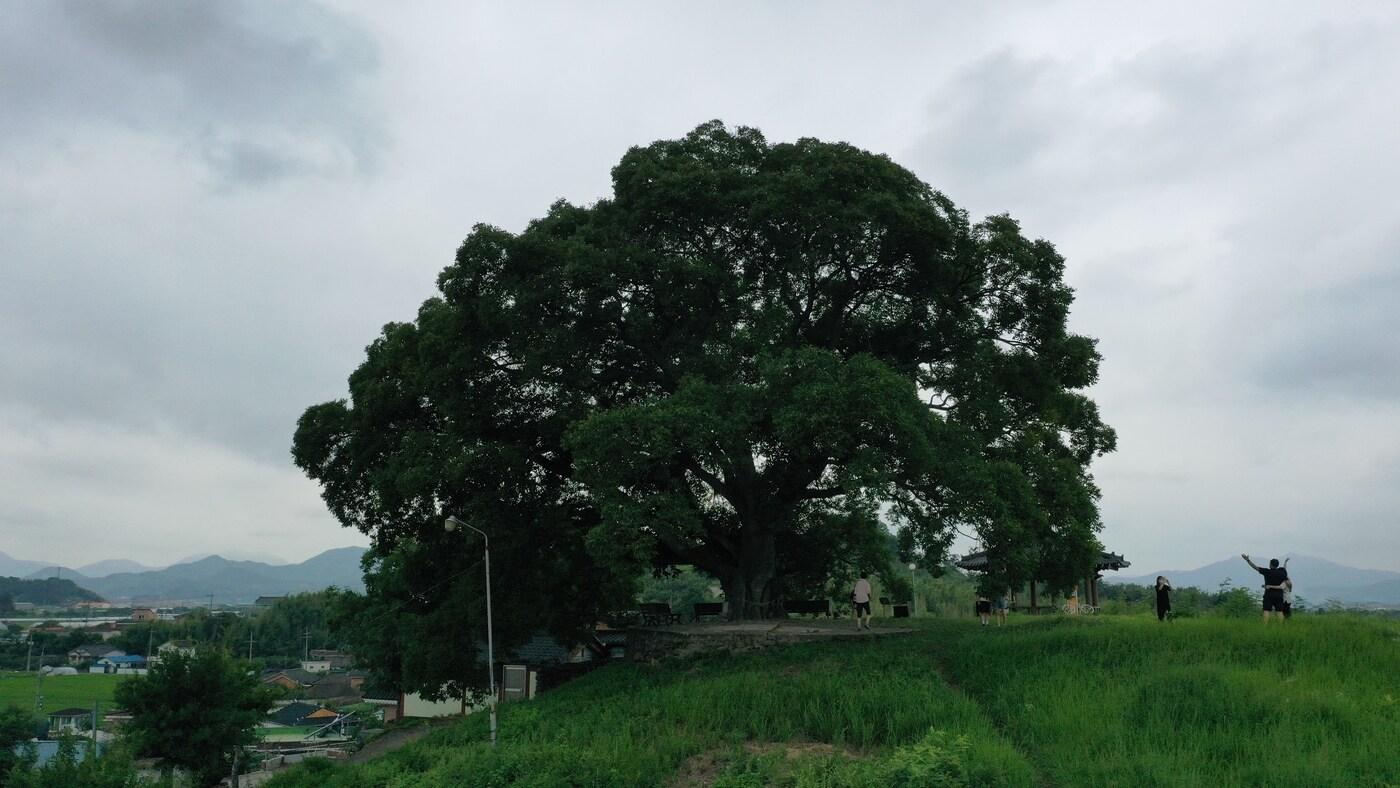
752, 358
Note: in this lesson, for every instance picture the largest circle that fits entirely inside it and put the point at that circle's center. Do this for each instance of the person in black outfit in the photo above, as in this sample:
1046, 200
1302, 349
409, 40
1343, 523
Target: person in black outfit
1274, 579
1164, 598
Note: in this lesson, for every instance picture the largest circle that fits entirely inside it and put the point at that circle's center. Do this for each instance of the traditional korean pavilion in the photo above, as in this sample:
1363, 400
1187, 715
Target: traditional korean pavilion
977, 562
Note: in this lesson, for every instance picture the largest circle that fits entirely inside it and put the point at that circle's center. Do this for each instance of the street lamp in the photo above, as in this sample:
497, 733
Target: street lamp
452, 524
913, 590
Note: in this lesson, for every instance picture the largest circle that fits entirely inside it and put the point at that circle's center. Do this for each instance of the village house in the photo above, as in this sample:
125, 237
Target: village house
106, 630
89, 652
338, 660
144, 614
299, 713
171, 647
115, 718
337, 689
72, 720
124, 664
290, 678
542, 662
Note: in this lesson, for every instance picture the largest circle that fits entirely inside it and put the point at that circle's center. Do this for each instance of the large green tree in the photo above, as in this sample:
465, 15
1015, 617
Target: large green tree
194, 711
16, 727
750, 359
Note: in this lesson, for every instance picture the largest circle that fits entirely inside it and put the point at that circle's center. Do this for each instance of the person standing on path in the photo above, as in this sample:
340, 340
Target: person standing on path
1000, 605
860, 595
1275, 580
1164, 598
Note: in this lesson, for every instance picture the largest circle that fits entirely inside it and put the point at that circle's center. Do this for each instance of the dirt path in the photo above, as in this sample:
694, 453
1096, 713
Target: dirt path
397, 739
1041, 779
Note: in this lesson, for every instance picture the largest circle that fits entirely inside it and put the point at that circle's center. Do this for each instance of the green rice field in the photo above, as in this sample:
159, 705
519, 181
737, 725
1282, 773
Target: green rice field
59, 692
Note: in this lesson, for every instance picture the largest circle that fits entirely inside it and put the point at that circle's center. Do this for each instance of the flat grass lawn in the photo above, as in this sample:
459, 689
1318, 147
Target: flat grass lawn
1103, 701
60, 692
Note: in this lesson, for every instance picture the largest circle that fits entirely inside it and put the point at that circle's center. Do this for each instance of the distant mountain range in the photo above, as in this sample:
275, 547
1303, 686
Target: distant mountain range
229, 581
16, 567
1315, 579
112, 566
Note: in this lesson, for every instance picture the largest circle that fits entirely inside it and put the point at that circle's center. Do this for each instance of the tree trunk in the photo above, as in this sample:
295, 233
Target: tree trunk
751, 588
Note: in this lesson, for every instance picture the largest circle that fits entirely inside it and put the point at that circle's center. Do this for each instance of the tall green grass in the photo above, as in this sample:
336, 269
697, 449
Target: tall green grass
1205, 702
1105, 701
636, 725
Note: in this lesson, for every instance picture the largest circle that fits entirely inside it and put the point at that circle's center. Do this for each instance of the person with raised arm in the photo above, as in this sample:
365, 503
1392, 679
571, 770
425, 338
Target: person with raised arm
1275, 582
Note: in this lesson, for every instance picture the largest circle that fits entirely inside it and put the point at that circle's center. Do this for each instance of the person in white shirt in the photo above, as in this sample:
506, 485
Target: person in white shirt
860, 595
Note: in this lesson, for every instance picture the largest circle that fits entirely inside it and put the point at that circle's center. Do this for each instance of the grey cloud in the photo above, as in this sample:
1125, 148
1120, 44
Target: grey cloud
1333, 342
191, 252
258, 91
1008, 127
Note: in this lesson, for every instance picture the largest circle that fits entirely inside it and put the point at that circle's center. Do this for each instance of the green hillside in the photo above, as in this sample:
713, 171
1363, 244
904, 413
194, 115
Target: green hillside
1113, 701
48, 591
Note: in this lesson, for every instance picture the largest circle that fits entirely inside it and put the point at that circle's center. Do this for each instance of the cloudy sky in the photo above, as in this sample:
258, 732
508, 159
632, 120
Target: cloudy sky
207, 211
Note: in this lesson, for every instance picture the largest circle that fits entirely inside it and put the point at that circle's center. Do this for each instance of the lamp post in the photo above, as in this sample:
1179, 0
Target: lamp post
913, 590
452, 524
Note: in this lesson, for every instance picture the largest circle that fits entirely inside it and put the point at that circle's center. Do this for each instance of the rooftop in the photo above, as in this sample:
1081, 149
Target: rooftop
977, 562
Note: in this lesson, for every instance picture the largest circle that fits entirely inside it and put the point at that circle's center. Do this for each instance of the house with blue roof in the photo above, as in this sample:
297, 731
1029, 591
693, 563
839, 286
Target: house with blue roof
121, 663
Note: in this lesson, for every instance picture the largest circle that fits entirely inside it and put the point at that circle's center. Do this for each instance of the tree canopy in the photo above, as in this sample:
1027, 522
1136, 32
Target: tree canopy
752, 358
193, 711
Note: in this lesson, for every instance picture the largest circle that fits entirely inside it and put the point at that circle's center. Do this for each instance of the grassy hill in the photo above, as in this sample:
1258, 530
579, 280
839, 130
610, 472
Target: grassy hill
1111, 701
50, 591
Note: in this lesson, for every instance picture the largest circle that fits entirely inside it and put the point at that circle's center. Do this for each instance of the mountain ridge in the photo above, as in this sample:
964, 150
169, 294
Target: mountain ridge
1316, 579
229, 581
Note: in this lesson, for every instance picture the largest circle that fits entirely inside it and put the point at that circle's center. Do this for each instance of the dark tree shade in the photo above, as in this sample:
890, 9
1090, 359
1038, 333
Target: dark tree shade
748, 359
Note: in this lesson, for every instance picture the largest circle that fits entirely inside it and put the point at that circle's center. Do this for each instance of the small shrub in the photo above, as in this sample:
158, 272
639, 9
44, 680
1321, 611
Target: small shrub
1236, 603
937, 760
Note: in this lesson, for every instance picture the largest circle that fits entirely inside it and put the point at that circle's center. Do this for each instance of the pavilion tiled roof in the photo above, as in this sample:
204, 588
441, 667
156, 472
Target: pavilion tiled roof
977, 562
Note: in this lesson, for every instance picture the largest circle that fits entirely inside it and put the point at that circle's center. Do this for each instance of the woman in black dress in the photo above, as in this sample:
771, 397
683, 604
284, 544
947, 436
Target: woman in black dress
1164, 598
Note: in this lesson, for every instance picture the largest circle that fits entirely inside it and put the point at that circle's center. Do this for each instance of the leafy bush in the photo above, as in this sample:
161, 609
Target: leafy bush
1236, 603
934, 762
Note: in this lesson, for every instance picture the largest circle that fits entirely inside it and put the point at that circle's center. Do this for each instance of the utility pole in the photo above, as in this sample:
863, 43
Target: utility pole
94, 729
233, 779
39, 684
306, 644
29, 654
250, 645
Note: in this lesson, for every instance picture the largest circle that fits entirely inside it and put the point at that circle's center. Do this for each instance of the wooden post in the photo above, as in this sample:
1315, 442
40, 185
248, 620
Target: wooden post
1033, 596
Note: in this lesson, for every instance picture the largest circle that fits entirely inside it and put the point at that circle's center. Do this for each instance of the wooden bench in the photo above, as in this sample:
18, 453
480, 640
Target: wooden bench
808, 607
709, 610
658, 614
